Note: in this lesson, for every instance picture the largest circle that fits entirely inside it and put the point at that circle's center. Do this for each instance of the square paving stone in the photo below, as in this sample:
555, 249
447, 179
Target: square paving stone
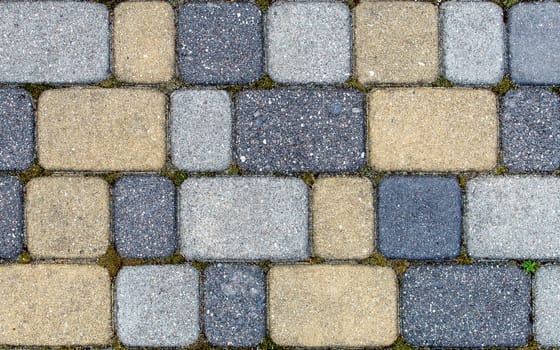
11, 217
465, 306
534, 43
220, 43
17, 129
419, 217
309, 42
144, 223
473, 42
234, 305
157, 305
545, 306
530, 130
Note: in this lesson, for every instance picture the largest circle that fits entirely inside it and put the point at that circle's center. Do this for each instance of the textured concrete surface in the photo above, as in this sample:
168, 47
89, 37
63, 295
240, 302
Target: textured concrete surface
17, 131
11, 217
546, 324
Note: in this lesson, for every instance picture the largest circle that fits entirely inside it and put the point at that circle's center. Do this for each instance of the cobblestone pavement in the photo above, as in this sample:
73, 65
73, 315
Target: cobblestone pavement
291, 174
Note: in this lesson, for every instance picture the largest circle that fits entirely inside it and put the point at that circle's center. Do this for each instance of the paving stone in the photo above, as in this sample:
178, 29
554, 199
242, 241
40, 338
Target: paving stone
54, 42
433, 129
201, 130
343, 218
465, 306
332, 305
144, 42
67, 217
17, 131
419, 217
396, 42
55, 305
473, 42
234, 305
309, 42
513, 217
297, 130
530, 130
546, 324
144, 224
95, 129
220, 43
11, 217
534, 43
244, 218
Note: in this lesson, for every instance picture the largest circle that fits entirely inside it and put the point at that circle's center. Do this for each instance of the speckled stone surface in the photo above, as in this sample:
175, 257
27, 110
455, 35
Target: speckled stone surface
530, 130
11, 217
220, 43
144, 223
17, 129
546, 324
234, 305
465, 306
297, 130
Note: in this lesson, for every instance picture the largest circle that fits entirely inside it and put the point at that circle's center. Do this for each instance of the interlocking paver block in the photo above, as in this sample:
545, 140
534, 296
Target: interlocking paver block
473, 42
54, 42
11, 217
530, 130
332, 305
97, 129
234, 305
201, 130
465, 306
396, 42
144, 42
157, 305
433, 129
419, 217
309, 42
297, 130
55, 305
244, 218
17, 130
343, 218
220, 43
144, 224
67, 217
513, 217
545, 306
534, 43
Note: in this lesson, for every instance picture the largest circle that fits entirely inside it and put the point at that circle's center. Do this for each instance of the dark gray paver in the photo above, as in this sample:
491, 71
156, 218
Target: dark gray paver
465, 306
234, 305
545, 305
11, 217
297, 130
17, 129
530, 130
157, 305
54, 42
220, 43
144, 224
534, 43
419, 217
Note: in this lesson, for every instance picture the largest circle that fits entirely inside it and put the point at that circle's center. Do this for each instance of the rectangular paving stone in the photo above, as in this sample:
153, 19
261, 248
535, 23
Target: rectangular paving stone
244, 218
513, 217
546, 325
54, 42
95, 129
55, 305
299, 130
11, 218
432, 129
332, 305
17, 135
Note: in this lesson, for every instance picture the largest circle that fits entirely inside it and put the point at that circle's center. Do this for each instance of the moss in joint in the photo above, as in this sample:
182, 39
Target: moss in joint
111, 261
442, 82
504, 86
463, 258
268, 344
354, 83
263, 4
399, 266
24, 258
462, 182
199, 265
112, 178
110, 82
555, 89
32, 172
265, 265
177, 176
377, 259
234, 170
401, 344
352, 3
501, 170
36, 89
309, 179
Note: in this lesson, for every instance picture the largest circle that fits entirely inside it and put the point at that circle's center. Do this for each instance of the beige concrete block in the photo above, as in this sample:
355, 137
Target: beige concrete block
95, 129
396, 42
52, 305
432, 129
342, 214
67, 217
144, 42
332, 305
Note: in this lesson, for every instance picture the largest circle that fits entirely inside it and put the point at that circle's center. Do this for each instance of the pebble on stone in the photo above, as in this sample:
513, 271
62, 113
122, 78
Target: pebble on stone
17, 129
297, 130
461, 306
545, 305
234, 305
144, 224
11, 217
220, 43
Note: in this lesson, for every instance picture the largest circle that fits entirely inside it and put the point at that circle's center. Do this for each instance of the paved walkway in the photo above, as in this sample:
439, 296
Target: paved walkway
298, 174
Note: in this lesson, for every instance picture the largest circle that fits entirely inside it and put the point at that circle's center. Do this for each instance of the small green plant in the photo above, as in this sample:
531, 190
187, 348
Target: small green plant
309, 179
530, 266
442, 82
504, 86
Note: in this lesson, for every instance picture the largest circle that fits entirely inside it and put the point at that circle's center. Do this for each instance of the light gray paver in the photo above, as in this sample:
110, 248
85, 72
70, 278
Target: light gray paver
546, 315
